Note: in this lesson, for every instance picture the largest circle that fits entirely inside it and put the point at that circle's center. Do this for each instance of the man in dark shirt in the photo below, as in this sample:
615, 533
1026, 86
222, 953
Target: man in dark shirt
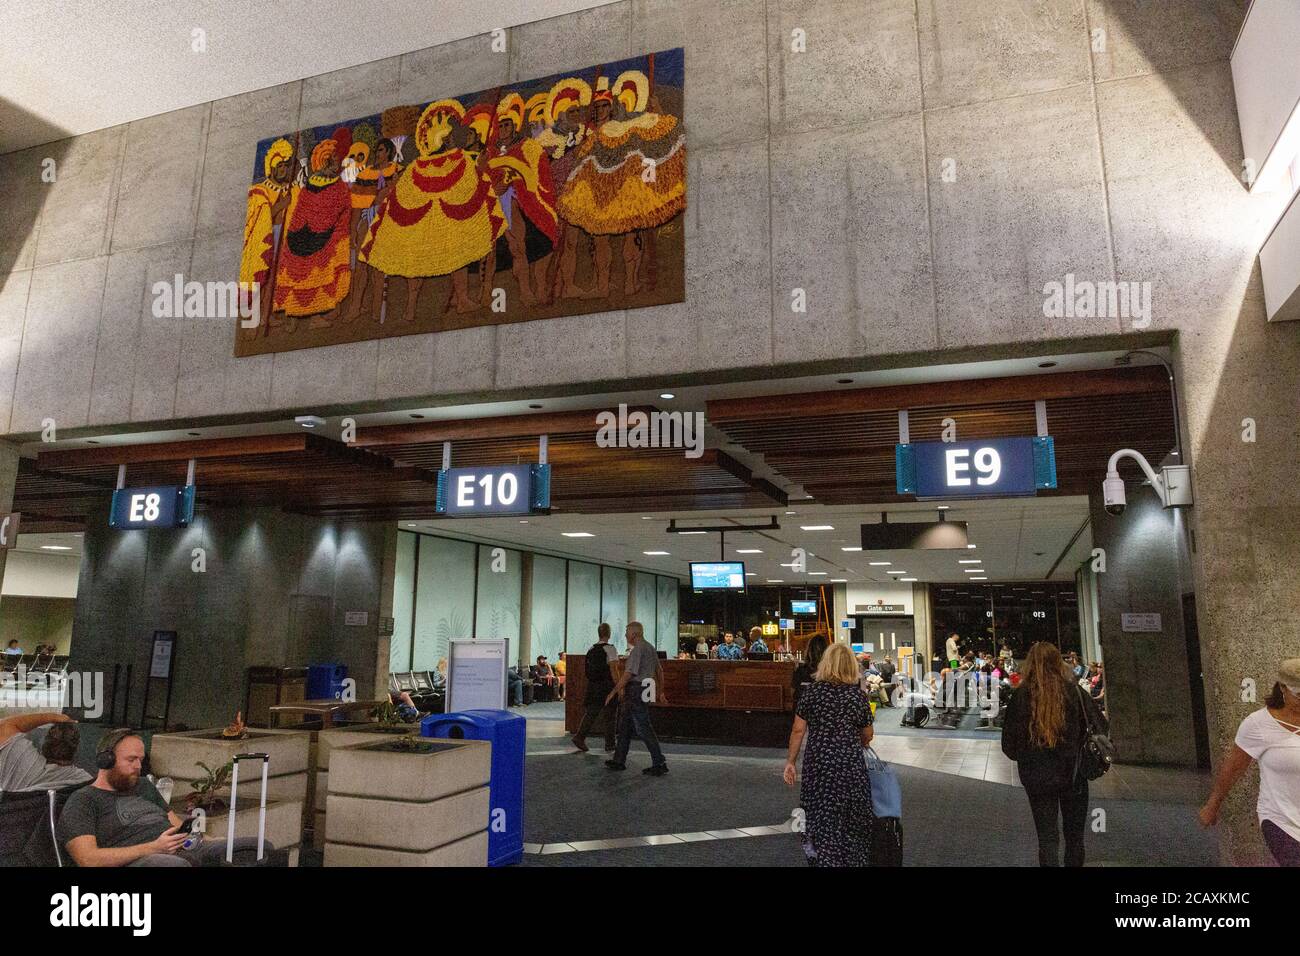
599, 683
121, 820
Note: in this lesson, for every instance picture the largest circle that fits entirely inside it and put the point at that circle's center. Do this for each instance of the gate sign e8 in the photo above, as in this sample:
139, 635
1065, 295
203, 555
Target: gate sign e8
996, 467
492, 490
166, 506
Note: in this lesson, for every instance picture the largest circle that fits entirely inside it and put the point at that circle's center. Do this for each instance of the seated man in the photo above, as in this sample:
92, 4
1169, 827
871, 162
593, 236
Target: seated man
406, 708
121, 820
728, 650
543, 679
756, 644
516, 687
23, 768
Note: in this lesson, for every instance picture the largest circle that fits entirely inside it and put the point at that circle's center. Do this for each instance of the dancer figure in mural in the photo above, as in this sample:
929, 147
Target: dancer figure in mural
440, 216
521, 178
314, 272
373, 184
568, 101
629, 177
267, 202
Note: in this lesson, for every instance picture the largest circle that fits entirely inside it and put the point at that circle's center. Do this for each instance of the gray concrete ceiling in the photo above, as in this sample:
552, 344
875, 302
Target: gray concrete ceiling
73, 66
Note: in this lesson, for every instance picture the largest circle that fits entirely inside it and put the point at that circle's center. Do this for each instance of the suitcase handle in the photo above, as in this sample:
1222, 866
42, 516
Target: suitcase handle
261, 816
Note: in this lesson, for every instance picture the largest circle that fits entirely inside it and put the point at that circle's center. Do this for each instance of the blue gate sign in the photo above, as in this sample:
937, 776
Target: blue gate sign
987, 468
487, 490
164, 506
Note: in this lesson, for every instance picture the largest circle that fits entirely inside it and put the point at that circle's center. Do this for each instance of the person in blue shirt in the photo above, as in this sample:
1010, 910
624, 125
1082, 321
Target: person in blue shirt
756, 644
727, 650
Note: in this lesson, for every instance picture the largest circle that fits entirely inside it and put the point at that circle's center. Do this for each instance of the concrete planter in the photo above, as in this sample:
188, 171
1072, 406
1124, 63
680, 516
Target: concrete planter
178, 756
327, 740
428, 807
283, 824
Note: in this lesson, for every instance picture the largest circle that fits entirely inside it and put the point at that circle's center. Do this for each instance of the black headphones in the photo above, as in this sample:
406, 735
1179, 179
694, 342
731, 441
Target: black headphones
106, 754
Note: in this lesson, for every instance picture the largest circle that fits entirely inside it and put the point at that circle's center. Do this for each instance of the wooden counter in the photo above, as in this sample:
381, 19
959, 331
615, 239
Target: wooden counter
745, 703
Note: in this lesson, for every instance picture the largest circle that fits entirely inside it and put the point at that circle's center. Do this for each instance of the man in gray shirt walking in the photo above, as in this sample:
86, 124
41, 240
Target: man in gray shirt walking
641, 670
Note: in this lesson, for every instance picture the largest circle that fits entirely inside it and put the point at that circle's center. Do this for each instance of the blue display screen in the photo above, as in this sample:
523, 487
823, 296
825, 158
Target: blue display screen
718, 576
803, 607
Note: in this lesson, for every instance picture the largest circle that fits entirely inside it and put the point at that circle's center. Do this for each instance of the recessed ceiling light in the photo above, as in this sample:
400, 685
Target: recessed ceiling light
789, 512
817, 527
577, 534
654, 552
310, 421
647, 517
839, 580
749, 551
692, 532
973, 570
1047, 365
750, 574
415, 415
776, 581
534, 406
91, 441
55, 547
817, 574
881, 564
193, 434
410, 524
850, 549
979, 579
844, 381
667, 395
971, 547
907, 579
523, 521
944, 507
970, 560
896, 572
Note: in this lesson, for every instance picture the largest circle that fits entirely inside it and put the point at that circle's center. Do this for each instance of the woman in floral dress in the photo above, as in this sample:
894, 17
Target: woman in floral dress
835, 794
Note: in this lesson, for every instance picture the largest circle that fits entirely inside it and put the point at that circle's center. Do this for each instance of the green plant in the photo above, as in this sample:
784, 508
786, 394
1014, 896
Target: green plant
386, 712
409, 742
204, 790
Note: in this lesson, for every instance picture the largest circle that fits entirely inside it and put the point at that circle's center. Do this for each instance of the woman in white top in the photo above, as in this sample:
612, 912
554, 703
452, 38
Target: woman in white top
1270, 736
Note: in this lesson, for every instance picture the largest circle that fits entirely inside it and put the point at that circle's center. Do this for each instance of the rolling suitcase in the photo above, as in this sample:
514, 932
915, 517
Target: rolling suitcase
274, 858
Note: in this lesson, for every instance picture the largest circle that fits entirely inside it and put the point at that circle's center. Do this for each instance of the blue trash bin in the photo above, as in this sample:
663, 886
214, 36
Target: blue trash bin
325, 681
506, 732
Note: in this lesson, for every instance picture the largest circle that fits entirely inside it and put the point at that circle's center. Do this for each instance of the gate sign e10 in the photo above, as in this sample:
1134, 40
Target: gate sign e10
494, 490
165, 506
995, 467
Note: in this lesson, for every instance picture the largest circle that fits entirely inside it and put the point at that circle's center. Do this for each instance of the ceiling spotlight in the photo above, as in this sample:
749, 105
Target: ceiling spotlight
817, 574
654, 553
971, 546
1047, 365
416, 415
667, 395
534, 405
776, 581
193, 434
880, 564
896, 572
943, 507
817, 527
844, 381
970, 560
577, 534
749, 551
907, 579
523, 521
850, 549
979, 579
55, 547
310, 421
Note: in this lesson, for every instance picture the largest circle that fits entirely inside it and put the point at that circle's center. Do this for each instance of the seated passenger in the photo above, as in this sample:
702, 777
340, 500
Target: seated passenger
439, 676
728, 650
756, 644
406, 708
23, 768
119, 819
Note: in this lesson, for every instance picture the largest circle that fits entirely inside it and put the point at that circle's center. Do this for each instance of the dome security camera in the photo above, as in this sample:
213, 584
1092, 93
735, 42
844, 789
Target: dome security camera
1113, 491
1173, 485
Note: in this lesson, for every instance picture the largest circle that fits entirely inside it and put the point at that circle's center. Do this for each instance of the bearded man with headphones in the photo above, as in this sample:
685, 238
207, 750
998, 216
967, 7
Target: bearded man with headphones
120, 819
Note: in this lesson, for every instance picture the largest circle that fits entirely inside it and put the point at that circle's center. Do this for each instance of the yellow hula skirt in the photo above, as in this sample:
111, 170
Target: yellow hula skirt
440, 216
615, 200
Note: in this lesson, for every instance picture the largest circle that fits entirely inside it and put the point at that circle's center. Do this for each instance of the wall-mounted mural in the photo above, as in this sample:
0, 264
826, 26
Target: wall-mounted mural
557, 196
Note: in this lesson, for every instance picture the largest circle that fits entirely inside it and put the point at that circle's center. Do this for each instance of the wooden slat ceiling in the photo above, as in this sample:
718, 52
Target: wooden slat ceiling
839, 446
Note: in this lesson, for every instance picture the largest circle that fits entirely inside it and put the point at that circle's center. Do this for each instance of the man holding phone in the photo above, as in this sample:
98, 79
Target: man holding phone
120, 819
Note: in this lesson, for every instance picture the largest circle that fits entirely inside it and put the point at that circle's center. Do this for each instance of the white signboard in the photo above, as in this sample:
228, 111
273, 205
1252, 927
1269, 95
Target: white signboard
356, 618
160, 662
476, 675
1145, 623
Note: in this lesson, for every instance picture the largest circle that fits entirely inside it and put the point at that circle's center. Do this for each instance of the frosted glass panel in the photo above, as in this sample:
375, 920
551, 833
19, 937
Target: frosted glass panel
667, 614
646, 598
500, 580
548, 608
399, 645
584, 605
444, 595
613, 605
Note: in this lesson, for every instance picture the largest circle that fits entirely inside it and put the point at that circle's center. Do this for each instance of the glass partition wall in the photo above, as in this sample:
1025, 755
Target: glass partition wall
446, 589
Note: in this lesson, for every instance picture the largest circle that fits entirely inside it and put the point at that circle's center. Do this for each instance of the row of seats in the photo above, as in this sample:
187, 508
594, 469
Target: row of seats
428, 697
42, 664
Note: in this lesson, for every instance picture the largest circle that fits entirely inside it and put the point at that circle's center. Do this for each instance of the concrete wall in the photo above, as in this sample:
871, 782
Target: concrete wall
1148, 700
1111, 155
274, 592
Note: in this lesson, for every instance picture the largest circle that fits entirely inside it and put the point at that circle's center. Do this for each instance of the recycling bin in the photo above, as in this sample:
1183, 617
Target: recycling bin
325, 681
506, 732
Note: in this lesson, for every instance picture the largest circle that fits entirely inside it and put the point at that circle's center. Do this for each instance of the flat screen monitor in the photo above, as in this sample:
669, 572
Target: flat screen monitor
803, 607
718, 575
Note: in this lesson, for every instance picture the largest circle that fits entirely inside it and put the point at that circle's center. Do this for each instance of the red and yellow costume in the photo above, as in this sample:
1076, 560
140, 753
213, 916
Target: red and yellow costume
608, 192
314, 273
441, 214
259, 224
523, 172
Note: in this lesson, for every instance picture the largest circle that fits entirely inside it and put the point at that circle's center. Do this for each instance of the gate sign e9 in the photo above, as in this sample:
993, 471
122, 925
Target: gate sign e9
153, 507
494, 490
974, 469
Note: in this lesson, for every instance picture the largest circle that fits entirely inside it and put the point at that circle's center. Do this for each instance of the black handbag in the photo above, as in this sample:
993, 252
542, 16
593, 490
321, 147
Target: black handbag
1097, 752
